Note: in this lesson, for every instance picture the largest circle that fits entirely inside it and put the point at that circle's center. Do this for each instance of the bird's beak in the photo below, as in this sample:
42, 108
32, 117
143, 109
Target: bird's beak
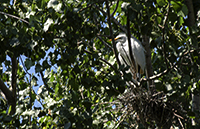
114, 39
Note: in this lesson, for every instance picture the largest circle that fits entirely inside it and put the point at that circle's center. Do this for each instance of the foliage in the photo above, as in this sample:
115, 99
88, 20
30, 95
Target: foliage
62, 50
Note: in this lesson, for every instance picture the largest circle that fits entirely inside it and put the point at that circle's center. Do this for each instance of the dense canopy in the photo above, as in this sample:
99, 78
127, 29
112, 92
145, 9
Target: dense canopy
58, 68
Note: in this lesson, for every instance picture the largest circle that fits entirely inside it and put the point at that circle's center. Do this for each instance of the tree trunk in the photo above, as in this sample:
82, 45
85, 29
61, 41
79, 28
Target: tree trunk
190, 21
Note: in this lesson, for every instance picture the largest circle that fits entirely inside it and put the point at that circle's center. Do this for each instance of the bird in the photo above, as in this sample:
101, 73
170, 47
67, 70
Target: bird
138, 63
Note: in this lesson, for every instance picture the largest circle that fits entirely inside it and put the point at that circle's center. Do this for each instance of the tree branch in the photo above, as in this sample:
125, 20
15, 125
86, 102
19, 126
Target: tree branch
14, 83
115, 8
103, 61
90, 5
6, 92
45, 84
190, 21
163, 37
111, 32
10, 15
113, 19
26, 71
167, 70
104, 42
120, 26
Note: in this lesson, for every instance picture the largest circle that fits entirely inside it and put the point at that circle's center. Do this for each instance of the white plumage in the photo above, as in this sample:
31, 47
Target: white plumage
138, 54
125, 64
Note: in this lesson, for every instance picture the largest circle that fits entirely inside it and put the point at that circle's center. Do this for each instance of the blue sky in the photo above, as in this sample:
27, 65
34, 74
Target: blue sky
32, 71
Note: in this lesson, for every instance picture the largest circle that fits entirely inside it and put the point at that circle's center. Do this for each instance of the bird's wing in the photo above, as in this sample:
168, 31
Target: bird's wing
138, 53
123, 62
124, 53
127, 57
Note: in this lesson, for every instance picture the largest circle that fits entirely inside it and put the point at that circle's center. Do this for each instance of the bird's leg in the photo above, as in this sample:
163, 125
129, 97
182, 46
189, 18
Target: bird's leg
138, 74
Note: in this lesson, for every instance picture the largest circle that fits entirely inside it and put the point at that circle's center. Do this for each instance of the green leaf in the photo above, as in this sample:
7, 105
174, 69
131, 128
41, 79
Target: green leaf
73, 84
159, 19
38, 68
177, 5
172, 17
28, 63
162, 2
57, 88
45, 64
181, 21
10, 108
183, 12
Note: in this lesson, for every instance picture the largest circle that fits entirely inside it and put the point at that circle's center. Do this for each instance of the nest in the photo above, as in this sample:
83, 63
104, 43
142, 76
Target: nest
151, 109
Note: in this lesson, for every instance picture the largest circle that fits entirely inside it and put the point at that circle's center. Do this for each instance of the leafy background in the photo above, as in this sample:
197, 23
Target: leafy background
58, 67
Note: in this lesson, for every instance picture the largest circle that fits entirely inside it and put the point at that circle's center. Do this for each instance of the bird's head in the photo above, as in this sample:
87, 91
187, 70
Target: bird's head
121, 41
121, 38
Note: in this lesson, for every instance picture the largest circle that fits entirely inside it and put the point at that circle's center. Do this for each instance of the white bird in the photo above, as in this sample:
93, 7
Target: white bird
137, 66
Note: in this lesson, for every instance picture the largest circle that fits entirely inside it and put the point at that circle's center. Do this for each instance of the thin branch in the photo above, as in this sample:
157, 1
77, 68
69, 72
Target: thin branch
14, 83
105, 42
103, 103
107, 36
123, 116
88, 6
38, 99
102, 11
120, 26
103, 61
111, 32
163, 36
45, 84
113, 19
178, 115
133, 82
167, 70
10, 15
14, 1
181, 123
115, 9
26, 71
